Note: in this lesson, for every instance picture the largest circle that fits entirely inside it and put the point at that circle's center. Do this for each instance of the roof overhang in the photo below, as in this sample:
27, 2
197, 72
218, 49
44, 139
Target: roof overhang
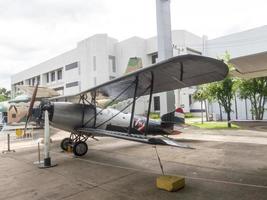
250, 66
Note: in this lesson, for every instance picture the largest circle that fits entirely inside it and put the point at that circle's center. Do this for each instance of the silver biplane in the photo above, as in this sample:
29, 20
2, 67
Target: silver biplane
82, 115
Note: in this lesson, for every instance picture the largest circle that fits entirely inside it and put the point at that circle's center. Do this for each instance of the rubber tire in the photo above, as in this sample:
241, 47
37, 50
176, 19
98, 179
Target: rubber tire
77, 147
65, 143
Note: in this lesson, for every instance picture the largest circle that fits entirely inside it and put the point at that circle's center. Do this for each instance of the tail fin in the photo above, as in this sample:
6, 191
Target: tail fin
174, 117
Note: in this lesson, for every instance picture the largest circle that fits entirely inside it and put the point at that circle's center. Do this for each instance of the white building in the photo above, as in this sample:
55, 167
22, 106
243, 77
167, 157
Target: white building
100, 58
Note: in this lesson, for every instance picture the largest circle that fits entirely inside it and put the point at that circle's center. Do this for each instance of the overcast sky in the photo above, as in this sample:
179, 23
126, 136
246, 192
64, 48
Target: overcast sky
32, 31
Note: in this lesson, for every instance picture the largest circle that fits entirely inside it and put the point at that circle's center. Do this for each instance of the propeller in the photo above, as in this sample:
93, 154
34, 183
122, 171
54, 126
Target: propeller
29, 114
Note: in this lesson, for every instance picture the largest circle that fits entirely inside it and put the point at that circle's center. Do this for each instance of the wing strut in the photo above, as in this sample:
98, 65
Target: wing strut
133, 104
149, 104
112, 101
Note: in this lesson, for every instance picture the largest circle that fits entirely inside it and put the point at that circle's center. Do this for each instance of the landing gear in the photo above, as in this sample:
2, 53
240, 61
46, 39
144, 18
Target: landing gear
78, 143
80, 148
65, 143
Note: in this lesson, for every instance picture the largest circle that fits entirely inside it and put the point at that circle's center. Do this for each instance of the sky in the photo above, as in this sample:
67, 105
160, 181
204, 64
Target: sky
32, 31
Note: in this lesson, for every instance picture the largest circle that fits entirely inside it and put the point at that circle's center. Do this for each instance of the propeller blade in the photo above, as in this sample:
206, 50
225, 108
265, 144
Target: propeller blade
29, 114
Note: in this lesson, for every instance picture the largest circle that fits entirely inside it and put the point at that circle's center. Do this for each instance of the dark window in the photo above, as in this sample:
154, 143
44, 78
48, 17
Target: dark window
190, 99
112, 63
59, 88
154, 58
47, 77
156, 103
71, 66
53, 76
14, 115
72, 84
30, 81
33, 81
59, 74
38, 79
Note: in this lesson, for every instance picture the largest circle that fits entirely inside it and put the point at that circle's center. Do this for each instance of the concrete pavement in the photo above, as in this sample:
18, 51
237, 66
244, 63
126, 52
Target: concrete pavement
118, 169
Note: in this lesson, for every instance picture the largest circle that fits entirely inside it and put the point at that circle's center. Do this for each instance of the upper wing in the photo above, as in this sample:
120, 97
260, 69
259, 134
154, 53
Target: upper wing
174, 73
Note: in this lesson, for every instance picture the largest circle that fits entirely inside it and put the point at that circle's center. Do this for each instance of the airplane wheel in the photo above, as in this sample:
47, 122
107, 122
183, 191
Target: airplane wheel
80, 148
65, 143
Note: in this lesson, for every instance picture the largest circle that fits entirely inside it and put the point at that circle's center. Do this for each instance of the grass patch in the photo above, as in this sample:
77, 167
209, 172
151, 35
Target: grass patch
154, 115
212, 125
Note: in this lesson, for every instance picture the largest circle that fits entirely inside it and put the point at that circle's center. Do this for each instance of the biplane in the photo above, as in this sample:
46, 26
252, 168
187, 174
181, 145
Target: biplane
82, 115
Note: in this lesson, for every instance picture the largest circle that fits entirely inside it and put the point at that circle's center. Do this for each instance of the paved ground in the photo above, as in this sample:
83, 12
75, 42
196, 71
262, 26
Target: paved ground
117, 169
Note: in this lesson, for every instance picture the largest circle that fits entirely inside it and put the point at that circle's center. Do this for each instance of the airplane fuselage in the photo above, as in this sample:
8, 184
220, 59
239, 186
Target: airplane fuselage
70, 116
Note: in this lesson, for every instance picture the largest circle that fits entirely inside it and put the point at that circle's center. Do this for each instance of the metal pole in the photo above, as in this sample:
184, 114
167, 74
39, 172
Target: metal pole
47, 160
8, 142
39, 156
46, 136
8, 145
149, 103
133, 106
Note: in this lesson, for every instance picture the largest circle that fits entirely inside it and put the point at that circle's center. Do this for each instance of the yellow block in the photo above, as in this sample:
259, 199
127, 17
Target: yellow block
19, 132
170, 183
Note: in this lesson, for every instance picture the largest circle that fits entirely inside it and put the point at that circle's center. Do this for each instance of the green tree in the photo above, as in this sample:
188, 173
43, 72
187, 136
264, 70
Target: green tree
200, 95
4, 94
256, 91
223, 91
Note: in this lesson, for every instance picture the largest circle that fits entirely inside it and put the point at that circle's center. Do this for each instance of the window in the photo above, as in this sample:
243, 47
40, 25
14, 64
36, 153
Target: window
53, 76
190, 99
38, 79
112, 63
154, 58
60, 90
94, 63
71, 66
59, 74
33, 81
72, 84
156, 103
30, 81
111, 77
47, 77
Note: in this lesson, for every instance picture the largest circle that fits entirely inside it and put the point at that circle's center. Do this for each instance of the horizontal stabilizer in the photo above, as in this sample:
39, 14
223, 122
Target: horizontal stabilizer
134, 137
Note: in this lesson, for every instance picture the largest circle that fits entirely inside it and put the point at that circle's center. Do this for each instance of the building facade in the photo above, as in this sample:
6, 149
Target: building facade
101, 58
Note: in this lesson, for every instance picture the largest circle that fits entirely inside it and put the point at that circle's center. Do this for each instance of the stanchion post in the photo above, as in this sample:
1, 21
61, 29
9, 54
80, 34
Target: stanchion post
8, 145
47, 160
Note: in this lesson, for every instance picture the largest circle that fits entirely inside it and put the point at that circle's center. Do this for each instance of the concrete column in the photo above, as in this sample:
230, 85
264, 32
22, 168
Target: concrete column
165, 51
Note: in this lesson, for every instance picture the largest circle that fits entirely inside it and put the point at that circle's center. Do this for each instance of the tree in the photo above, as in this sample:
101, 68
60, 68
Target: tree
4, 94
200, 95
256, 91
223, 91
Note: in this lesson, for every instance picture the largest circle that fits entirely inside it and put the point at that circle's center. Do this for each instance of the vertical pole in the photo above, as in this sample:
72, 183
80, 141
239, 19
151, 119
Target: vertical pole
149, 103
165, 49
133, 106
94, 103
46, 136
47, 160
8, 142
201, 112
39, 156
246, 108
